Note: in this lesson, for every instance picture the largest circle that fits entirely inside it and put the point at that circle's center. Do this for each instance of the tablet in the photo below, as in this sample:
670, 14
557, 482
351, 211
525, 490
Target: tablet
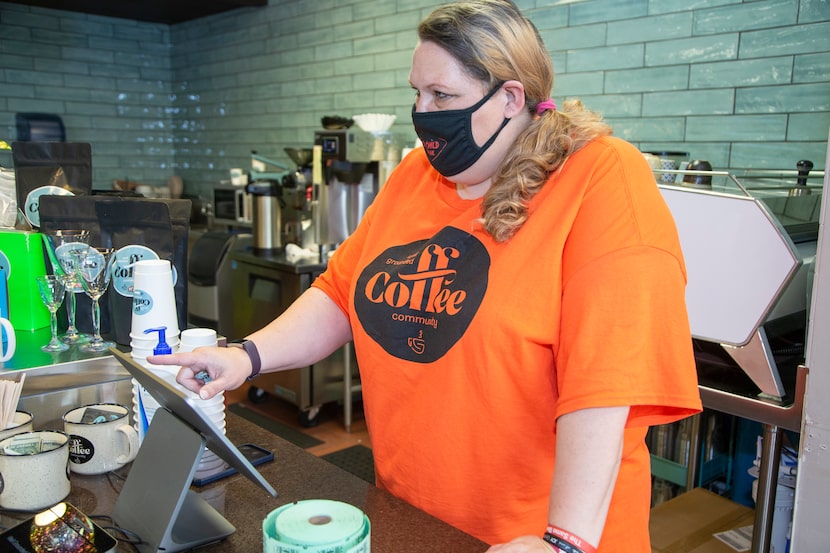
179, 404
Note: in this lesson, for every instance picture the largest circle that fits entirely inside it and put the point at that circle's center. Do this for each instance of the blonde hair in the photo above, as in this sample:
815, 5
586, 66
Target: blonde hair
496, 43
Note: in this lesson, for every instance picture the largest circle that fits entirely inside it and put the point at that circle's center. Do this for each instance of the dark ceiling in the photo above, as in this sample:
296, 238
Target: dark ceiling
156, 11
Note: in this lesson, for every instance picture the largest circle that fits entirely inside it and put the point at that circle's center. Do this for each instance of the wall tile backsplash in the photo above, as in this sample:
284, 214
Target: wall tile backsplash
742, 84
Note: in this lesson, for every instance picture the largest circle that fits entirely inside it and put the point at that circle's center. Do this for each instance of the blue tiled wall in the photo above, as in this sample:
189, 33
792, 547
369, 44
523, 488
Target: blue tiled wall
742, 84
109, 79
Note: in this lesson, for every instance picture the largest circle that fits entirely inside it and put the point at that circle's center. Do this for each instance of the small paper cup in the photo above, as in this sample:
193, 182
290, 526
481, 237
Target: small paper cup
198, 337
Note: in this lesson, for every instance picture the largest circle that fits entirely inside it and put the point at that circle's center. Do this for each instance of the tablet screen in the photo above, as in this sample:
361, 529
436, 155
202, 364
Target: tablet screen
174, 400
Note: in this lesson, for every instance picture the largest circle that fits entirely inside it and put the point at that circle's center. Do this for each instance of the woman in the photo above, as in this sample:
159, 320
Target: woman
515, 295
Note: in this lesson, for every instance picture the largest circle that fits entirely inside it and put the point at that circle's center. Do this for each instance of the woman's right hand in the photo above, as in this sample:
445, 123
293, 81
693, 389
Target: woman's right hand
227, 368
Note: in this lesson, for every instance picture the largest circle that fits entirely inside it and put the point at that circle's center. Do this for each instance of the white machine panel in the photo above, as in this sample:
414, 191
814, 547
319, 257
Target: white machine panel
738, 261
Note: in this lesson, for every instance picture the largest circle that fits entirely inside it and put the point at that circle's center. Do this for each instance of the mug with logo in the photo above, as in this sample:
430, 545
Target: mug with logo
22, 421
34, 470
101, 438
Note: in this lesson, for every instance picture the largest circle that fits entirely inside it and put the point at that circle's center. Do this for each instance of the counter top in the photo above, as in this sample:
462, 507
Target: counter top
397, 527
28, 355
278, 260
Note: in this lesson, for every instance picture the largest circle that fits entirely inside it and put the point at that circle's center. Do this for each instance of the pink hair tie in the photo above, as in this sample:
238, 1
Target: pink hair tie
545, 105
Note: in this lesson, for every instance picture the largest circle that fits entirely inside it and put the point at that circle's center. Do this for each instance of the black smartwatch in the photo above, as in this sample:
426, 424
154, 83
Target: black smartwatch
253, 355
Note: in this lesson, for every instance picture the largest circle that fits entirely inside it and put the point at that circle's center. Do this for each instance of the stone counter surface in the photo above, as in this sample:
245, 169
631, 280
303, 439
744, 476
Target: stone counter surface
397, 527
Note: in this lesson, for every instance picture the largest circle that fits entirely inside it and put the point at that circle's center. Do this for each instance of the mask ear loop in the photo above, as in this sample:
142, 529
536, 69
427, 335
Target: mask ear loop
504, 123
484, 100
493, 138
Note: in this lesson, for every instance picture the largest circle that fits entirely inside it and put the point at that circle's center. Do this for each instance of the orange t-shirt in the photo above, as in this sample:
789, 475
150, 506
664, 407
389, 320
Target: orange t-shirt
469, 349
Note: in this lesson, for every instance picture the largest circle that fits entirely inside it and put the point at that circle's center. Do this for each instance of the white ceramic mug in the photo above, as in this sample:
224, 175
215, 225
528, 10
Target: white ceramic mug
34, 470
10, 344
101, 438
22, 421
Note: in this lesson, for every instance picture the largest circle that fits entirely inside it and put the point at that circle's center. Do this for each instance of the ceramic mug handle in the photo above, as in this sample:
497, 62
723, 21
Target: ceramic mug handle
132, 444
11, 340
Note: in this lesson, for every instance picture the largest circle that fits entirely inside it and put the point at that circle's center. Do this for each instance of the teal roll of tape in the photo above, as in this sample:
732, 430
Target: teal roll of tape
316, 526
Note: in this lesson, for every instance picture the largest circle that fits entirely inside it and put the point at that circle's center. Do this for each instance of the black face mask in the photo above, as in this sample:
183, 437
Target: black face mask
448, 136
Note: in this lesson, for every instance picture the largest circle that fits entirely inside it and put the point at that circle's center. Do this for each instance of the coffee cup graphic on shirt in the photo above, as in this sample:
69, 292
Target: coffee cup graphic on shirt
416, 300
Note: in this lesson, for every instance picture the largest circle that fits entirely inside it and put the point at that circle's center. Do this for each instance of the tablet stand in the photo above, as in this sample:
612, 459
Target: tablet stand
156, 502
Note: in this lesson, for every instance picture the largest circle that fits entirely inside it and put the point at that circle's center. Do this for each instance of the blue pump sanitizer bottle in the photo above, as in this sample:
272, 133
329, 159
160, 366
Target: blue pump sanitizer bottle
162, 347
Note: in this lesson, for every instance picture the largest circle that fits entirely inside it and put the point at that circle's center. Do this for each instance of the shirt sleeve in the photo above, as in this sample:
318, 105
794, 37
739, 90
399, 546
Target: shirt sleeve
626, 340
625, 337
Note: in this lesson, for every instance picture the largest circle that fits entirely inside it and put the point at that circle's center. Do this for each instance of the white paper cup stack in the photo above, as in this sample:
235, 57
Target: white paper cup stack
144, 404
213, 408
154, 300
143, 345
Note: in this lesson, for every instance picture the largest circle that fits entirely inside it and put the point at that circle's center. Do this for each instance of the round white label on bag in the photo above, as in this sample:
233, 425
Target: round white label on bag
32, 208
122, 269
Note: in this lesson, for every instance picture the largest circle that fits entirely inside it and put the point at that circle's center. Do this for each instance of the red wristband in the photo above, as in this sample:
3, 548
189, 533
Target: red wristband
566, 541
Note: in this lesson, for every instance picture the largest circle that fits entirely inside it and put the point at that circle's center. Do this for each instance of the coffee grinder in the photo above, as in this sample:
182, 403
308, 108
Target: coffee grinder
297, 193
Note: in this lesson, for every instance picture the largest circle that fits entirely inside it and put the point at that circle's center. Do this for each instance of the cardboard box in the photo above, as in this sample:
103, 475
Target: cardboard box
686, 524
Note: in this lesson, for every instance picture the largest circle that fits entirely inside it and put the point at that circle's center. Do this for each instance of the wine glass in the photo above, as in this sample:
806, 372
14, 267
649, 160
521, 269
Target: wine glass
51, 292
60, 245
93, 266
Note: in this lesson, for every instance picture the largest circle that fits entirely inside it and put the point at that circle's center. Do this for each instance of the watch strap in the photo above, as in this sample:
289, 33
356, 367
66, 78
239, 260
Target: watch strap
253, 354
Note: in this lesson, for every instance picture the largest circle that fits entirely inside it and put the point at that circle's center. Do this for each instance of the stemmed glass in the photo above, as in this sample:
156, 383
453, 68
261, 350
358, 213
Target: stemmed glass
61, 243
51, 292
93, 266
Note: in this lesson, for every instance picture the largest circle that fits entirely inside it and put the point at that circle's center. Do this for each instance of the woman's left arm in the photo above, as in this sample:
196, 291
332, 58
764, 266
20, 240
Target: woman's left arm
588, 453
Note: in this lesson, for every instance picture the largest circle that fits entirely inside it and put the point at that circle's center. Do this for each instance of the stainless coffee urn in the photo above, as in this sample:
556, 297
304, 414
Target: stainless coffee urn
266, 193
267, 215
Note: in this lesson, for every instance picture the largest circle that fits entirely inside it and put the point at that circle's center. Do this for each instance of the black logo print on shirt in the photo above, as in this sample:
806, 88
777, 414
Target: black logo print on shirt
417, 300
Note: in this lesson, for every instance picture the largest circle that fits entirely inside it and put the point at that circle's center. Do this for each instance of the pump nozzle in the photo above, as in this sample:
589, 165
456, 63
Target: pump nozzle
162, 347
